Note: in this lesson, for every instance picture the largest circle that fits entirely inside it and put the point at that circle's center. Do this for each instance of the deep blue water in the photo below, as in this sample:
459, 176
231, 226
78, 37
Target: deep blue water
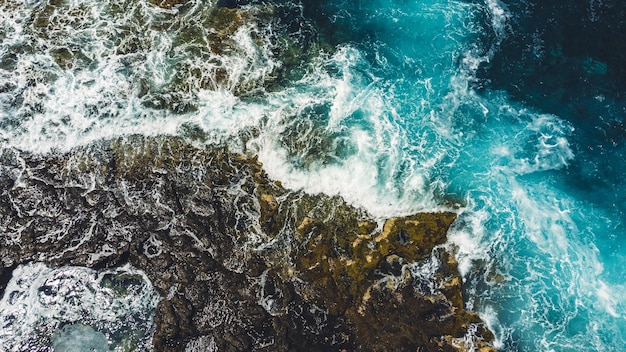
511, 112
518, 109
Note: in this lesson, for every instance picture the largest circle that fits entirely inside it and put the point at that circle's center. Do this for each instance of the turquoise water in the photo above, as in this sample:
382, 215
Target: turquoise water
417, 106
541, 229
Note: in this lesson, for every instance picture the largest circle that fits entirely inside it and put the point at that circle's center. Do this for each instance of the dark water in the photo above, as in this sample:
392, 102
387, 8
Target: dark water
512, 111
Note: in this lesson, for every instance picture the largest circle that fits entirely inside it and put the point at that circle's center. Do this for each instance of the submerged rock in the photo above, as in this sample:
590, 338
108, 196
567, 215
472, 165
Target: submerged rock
241, 263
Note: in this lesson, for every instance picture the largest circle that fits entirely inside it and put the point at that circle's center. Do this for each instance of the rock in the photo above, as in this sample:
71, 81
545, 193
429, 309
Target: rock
241, 263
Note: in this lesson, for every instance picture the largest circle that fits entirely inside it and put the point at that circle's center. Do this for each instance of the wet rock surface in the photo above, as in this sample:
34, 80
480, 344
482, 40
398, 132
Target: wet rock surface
241, 263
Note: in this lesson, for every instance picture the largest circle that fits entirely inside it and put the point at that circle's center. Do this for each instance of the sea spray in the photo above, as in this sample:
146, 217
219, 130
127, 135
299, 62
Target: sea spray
397, 115
236, 258
76, 308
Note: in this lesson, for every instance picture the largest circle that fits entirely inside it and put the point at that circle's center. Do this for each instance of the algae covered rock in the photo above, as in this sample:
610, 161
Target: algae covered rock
166, 54
240, 262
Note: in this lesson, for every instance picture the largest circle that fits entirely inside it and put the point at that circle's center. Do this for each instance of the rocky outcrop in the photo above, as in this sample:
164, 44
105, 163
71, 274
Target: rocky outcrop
241, 262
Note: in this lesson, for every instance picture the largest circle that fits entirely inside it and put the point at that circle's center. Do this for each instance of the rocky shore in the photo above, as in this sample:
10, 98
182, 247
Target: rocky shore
241, 263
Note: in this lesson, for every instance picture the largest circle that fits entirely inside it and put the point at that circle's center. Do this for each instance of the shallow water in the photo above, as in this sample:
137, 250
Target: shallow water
77, 309
398, 106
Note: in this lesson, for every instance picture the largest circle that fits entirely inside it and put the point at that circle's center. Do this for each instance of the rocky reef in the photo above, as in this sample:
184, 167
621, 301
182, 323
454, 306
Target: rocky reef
241, 263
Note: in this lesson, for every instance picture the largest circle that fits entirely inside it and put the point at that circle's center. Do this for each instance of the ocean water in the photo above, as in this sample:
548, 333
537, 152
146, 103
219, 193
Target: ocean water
509, 112
77, 309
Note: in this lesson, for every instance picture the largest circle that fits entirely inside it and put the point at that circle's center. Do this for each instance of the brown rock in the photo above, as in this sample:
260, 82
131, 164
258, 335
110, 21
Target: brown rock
241, 263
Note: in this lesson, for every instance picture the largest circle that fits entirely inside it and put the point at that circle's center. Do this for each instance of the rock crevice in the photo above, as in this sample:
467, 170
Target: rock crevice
241, 263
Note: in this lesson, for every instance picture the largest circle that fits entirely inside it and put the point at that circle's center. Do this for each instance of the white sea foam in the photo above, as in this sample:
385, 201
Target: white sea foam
392, 134
522, 242
106, 96
522, 237
117, 305
357, 109
500, 16
468, 238
95, 72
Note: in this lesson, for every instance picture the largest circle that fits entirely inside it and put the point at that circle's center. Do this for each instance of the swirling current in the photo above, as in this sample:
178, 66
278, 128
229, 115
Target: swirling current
511, 113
